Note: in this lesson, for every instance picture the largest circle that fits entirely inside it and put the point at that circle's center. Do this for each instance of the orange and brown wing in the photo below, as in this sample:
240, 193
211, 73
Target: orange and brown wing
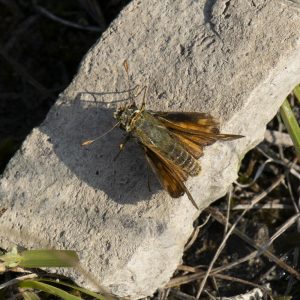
169, 165
189, 121
193, 130
170, 176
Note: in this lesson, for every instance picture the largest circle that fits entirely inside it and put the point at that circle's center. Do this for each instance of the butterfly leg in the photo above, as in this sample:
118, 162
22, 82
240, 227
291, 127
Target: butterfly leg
122, 146
148, 179
144, 98
144, 91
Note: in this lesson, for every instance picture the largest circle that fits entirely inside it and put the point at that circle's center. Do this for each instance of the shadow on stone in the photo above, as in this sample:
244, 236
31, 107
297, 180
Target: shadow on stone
72, 121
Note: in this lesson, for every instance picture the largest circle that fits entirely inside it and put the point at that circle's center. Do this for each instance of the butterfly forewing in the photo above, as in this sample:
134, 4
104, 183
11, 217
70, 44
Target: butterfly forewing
195, 118
191, 122
194, 130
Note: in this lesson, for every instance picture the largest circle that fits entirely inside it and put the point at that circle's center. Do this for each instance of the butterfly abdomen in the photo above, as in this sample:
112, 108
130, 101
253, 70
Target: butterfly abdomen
184, 159
153, 134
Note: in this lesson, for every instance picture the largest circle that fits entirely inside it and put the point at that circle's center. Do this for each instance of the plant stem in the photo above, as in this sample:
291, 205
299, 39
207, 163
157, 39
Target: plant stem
291, 124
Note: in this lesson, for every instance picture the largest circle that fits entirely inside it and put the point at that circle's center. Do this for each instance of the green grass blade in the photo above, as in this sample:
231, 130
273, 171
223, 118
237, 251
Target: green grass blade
48, 258
10, 259
30, 296
291, 124
32, 284
296, 92
82, 290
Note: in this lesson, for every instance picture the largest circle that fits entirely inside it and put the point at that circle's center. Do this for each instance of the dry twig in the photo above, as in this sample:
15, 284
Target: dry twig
55, 18
221, 247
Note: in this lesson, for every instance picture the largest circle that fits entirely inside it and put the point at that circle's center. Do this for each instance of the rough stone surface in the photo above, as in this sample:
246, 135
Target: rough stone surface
235, 59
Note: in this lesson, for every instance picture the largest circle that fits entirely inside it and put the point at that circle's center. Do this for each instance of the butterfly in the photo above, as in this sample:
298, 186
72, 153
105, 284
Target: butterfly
173, 142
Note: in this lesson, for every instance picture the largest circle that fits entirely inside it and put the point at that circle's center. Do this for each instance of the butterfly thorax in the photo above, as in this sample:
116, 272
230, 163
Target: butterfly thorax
127, 117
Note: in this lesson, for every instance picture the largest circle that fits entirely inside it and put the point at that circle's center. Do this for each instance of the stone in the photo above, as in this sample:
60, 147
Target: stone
235, 59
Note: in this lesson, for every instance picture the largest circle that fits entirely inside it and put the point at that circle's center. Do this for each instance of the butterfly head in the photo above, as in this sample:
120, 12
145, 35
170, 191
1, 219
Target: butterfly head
126, 116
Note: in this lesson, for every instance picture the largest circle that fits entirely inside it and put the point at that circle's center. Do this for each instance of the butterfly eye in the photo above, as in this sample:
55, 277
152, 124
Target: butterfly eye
118, 113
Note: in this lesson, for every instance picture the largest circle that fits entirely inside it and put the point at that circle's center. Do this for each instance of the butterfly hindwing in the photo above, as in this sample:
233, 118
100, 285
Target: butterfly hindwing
170, 176
169, 181
193, 148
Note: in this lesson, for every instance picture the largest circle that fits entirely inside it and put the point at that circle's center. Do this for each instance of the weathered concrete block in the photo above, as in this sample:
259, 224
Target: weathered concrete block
234, 59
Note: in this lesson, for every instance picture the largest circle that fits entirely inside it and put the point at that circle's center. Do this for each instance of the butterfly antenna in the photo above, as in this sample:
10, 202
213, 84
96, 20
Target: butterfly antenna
126, 67
88, 142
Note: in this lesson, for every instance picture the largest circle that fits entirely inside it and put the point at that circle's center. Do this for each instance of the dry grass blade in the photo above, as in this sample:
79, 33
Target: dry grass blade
23, 72
278, 138
291, 221
17, 280
163, 294
180, 295
53, 17
221, 247
192, 238
215, 272
186, 268
221, 219
289, 165
200, 274
195, 234
179, 280
23, 27
235, 279
235, 263
296, 207
257, 174
94, 9
270, 205
228, 200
